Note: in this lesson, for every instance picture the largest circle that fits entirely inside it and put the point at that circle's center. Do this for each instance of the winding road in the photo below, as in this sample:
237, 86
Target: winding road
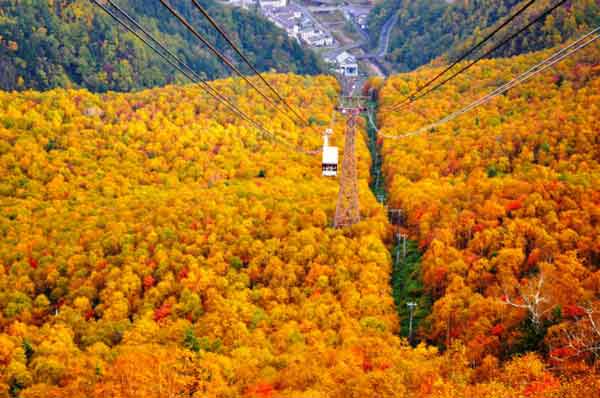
386, 32
383, 43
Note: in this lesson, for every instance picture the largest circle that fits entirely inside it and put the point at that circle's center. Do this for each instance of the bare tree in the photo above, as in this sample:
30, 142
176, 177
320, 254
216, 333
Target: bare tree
582, 336
530, 297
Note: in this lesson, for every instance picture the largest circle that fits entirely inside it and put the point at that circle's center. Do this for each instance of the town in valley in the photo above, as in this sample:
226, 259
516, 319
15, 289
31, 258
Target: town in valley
336, 30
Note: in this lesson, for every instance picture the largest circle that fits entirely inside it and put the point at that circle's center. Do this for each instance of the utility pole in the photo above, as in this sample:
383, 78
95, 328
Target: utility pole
411, 309
401, 241
397, 248
347, 211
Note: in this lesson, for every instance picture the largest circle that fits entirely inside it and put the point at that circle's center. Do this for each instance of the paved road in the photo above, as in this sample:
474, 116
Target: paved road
380, 68
386, 32
383, 43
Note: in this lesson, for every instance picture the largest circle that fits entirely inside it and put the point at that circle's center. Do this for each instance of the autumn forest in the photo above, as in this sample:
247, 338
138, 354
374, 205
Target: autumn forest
153, 243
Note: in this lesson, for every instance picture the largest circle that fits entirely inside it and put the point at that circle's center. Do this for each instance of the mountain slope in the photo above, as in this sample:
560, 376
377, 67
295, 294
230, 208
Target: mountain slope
161, 231
73, 43
427, 29
151, 245
504, 202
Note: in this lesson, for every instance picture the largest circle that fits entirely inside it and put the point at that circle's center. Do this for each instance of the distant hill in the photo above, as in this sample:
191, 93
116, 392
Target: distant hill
427, 29
46, 44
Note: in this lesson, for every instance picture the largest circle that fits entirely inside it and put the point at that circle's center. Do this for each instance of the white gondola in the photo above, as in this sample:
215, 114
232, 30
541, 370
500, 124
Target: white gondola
330, 156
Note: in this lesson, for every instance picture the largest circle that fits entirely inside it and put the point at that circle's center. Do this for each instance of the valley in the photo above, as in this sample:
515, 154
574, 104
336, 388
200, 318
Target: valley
248, 200
331, 29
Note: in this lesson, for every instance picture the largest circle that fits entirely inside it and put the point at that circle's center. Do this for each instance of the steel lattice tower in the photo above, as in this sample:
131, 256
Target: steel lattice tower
347, 211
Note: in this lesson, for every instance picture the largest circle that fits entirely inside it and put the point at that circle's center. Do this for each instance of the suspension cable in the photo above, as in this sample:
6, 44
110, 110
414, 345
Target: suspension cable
222, 57
486, 54
466, 54
556, 57
245, 59
157, 42
191, 75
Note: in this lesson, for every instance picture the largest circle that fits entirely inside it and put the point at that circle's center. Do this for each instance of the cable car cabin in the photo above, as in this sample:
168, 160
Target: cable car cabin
330, 161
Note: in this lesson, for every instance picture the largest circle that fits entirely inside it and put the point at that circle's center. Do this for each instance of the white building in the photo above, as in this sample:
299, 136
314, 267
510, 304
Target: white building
362, 21
287, 18
290, 26
297, 25
313, 36
320, 39
272, 3
240, 3
345, 64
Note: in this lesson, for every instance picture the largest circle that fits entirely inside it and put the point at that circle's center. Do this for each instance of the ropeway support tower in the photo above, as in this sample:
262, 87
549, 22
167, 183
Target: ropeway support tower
347, 211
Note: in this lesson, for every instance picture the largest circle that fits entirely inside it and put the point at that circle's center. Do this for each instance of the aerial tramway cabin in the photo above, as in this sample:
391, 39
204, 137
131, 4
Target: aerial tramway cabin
330, 156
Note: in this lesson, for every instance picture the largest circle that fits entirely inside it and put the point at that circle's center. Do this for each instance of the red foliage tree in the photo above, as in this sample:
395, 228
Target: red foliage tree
514, 205
148, 281
260, 390
162, 312
573, 311
497, 330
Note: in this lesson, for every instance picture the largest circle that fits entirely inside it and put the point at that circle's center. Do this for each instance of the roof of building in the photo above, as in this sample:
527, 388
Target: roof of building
318, 37
357, 11
287, 23
288, 9
345, 58
288, 16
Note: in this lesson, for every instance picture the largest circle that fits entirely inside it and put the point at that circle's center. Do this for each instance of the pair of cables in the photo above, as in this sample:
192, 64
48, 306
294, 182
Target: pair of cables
421, 91
541, 66
131, 25
229, 63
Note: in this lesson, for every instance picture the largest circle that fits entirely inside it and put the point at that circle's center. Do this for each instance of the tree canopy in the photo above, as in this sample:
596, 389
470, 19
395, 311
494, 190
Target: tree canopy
73, 43
429, 29
504, 202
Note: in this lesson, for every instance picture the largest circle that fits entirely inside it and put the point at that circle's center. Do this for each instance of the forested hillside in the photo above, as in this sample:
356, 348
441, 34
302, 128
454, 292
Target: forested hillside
153, 246
159, 233
46, 44
504, 202
427, 29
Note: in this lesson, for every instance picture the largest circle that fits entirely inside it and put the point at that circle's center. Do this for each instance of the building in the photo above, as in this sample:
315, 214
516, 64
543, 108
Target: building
298, 25
359, 14
286, 12
313, 36
344, 63
320, 39
246, 4
272, 3
287, 18
290, 26
362, 21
